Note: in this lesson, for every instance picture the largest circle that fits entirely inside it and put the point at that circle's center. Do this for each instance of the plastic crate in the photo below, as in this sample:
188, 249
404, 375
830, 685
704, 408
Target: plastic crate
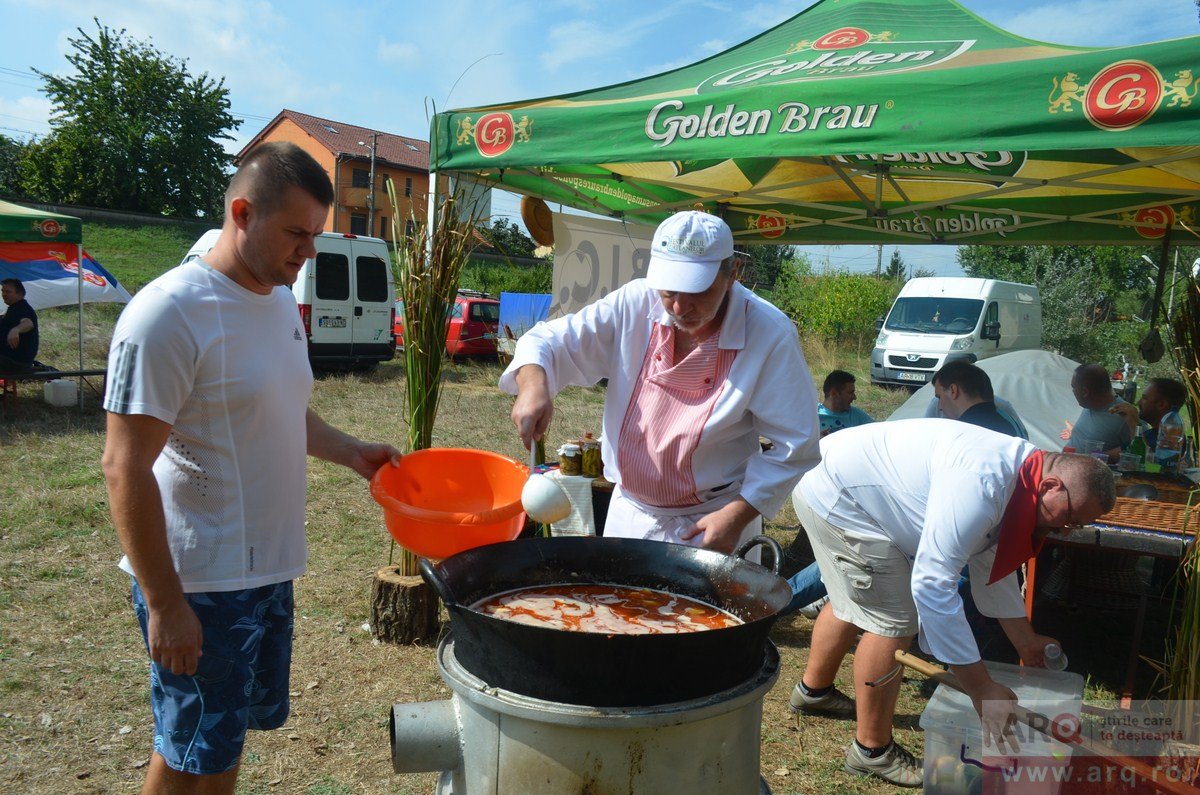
955, 759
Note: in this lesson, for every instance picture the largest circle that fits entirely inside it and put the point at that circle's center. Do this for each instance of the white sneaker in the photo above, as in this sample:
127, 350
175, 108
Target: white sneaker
834, 704
896, 765
811, 611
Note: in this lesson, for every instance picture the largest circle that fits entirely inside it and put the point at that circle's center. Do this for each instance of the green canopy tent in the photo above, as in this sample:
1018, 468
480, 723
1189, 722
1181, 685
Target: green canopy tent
28, 225
870, 121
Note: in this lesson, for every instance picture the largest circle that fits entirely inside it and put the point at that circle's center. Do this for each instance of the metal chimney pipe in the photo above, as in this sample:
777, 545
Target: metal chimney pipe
425, 737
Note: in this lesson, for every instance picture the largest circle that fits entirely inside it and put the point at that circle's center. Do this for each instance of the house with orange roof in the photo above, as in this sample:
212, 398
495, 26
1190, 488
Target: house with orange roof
346, 150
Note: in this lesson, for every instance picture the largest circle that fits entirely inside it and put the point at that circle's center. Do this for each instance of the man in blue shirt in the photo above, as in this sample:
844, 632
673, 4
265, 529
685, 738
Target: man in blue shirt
835, 411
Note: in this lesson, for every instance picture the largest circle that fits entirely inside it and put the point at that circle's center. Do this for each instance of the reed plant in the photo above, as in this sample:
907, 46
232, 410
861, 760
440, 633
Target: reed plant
1181, 674
429, 262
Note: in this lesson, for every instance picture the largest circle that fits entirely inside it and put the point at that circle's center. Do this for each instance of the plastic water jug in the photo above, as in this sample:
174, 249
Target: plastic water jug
1170, 441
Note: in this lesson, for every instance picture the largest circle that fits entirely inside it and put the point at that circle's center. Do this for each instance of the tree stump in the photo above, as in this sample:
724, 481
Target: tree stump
403, 608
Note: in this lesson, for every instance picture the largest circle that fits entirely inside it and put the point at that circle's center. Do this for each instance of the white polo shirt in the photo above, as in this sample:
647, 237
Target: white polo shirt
937, 491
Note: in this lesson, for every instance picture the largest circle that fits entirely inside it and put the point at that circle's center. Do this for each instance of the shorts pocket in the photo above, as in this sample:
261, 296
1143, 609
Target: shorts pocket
860, 575
213, 670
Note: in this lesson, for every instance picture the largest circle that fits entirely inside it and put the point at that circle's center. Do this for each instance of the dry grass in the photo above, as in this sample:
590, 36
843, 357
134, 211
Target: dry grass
74, 716
73, 709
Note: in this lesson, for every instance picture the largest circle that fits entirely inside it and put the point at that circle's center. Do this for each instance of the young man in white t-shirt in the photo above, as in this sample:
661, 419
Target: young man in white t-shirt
208, 429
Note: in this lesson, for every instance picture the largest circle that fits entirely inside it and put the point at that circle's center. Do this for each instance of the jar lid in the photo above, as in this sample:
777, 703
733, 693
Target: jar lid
570, 448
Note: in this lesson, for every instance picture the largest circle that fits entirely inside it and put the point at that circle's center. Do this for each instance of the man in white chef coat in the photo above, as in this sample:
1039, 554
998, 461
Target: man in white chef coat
895, 511
698, 368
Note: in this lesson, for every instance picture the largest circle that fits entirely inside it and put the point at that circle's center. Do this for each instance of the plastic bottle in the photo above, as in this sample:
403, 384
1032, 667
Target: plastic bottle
1170, 441
1054, 658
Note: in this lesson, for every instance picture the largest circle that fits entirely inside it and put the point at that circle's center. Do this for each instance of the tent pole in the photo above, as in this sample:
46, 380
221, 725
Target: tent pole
79, 274
431, 213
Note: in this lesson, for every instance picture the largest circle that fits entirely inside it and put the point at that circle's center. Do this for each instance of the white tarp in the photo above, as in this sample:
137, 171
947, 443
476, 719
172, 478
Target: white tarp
593, 257
1037, 383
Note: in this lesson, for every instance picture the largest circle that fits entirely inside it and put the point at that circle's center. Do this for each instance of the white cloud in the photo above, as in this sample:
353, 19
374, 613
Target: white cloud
24, 115
1102, 23
578, 40
398, 51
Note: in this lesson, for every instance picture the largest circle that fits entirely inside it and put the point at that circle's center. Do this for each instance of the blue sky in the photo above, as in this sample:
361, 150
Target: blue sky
380, 64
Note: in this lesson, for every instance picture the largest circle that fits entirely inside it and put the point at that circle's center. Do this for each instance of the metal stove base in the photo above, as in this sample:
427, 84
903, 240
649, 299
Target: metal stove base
488, 741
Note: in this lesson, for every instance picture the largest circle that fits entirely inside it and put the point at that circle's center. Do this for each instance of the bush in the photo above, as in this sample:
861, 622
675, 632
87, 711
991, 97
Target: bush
838, 306
495, 277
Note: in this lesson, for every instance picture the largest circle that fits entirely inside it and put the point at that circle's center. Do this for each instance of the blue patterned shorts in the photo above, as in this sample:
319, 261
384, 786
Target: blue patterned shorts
241, 683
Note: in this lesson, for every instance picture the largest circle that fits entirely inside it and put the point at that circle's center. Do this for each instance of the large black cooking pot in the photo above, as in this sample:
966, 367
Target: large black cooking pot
610, 670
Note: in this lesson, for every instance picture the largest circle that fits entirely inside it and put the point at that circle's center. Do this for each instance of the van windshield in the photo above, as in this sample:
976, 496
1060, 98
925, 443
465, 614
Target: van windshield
934, 315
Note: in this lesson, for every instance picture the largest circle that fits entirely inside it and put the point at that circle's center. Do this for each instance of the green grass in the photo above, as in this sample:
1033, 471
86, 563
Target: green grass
137, 254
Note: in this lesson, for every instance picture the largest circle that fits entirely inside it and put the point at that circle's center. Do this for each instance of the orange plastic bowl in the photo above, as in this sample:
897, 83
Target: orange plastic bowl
441, 501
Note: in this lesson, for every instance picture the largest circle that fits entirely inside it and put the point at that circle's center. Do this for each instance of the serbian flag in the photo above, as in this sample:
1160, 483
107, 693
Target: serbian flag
50, 273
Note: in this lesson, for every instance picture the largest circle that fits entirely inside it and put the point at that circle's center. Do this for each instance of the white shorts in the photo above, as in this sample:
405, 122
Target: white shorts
869, 580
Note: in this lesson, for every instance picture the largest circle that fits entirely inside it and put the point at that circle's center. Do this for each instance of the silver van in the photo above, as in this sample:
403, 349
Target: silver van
345, 296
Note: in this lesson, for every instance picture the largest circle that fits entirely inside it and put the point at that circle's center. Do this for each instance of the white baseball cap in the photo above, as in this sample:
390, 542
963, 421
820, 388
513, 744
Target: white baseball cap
687, 250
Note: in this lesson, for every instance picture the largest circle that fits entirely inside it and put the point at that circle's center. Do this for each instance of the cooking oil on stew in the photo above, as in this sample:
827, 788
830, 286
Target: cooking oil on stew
608, 609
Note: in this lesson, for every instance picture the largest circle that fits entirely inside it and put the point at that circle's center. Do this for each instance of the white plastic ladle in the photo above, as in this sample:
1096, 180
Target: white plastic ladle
543, 499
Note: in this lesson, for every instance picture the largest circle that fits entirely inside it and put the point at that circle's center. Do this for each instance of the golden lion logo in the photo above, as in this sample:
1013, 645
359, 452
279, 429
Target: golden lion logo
1068, 90
883, 37
466, 131
1178, 91
521, 129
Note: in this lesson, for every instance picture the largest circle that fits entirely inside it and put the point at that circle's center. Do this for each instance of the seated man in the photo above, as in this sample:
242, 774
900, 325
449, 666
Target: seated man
18, 329
1160, 398
964, 392
1100, 419
1005, 409
835, 411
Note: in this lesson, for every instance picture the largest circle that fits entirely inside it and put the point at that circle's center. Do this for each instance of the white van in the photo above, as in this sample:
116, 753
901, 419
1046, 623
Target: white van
345, 296
939, 320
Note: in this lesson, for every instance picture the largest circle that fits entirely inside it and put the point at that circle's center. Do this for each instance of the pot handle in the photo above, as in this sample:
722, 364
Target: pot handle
434, 580
760, 540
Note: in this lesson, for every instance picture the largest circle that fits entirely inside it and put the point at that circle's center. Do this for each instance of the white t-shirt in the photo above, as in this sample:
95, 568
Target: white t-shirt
228, 370
937, 490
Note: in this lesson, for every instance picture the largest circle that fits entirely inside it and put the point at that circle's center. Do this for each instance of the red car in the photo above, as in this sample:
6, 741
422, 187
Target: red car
474, 321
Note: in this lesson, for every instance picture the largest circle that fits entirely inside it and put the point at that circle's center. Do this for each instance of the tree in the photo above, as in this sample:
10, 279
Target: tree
132, 129
1080, 287
507, 238
11, 154
763, 263
896, 267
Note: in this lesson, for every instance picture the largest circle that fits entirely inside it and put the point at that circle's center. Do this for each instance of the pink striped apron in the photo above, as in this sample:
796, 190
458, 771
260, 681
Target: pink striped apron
665, 419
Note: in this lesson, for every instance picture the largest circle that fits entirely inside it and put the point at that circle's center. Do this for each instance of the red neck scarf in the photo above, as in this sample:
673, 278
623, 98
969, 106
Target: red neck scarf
1020, 520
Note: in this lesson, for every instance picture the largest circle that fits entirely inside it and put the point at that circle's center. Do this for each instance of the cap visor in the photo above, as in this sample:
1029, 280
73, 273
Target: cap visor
678, 276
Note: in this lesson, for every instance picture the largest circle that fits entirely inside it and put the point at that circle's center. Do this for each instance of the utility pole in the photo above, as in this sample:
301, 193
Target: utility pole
371, 189
879, 259
371, 195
